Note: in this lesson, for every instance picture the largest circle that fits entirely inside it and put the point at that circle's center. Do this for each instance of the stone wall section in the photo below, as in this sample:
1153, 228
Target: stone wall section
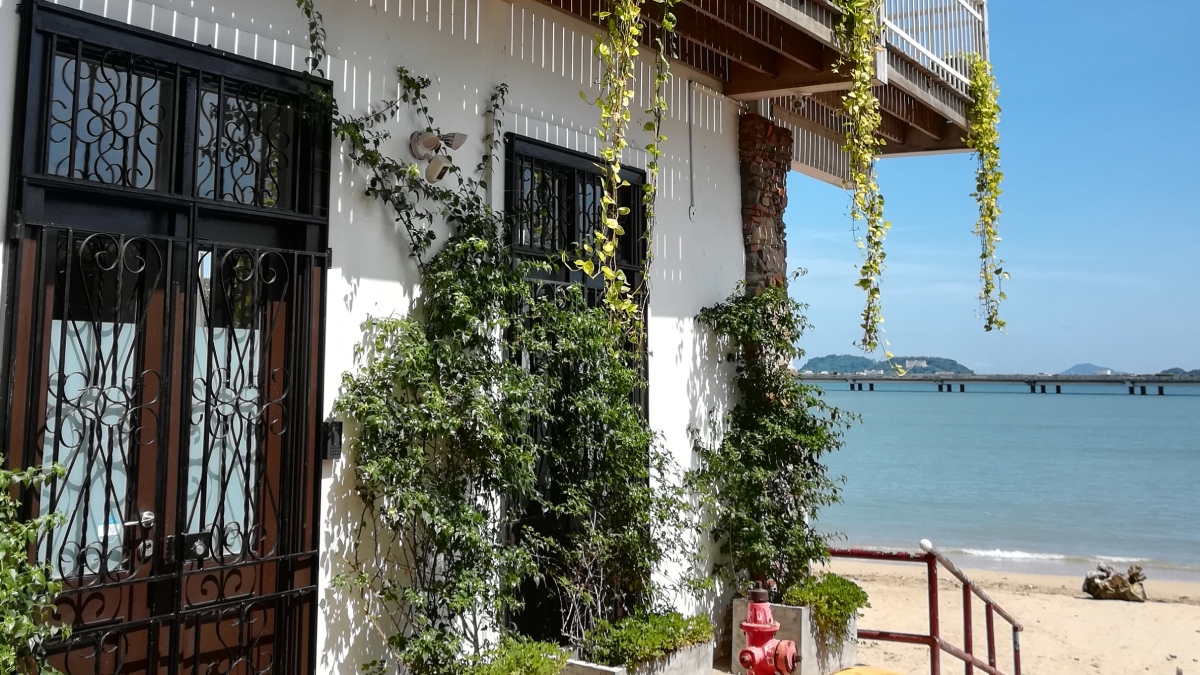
765, 156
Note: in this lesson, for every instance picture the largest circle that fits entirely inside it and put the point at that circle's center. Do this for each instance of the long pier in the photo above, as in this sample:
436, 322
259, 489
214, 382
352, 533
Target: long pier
1038, 384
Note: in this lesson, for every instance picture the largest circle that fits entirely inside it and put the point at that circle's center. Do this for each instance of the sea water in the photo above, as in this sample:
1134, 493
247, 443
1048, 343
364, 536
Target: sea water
1000, 478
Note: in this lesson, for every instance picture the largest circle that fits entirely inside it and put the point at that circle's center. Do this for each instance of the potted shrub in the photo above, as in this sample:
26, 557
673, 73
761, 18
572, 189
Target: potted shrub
658, 644
820, 614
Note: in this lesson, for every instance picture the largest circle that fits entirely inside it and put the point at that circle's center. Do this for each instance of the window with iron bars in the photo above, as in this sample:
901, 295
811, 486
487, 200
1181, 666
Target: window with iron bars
552, 205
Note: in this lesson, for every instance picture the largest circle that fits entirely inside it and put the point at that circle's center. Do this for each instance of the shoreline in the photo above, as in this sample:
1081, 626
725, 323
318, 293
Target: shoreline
1065, 631
1047, 564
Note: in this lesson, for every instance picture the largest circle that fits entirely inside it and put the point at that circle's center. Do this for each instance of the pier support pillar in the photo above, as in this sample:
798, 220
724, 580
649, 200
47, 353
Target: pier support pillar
1143, 390
871, 386
939, 387
1033, 389
1043, 388
1131, 390
1058, 388
962, 388
1161, 391
851, 386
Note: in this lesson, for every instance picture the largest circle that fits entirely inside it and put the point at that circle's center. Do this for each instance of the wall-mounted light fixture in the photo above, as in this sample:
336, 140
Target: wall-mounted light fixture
425, 144
428, 146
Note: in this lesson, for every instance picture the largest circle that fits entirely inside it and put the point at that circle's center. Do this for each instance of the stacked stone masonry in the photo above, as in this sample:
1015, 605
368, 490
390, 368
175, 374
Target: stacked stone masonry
765, 153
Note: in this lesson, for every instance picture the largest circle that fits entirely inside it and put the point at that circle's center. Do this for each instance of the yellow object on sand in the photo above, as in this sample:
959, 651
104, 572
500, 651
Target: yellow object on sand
866, 670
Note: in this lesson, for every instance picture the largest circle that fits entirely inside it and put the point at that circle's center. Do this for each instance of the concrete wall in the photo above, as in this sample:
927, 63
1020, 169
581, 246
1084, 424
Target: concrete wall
469, 46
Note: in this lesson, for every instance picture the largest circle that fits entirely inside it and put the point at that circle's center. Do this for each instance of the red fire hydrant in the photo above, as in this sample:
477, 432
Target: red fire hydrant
764, 654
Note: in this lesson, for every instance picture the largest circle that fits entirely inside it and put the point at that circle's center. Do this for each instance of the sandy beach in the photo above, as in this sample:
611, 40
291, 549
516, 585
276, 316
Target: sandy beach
1066, 633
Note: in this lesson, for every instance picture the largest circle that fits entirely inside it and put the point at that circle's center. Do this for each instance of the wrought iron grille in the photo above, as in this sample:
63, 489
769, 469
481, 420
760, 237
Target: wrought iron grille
164, 346
173, 380
216, 128
552, 207
246, 137
110, 116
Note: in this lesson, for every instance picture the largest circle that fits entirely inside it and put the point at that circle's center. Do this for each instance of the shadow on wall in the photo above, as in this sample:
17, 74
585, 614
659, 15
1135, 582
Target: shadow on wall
348, 638
711, 395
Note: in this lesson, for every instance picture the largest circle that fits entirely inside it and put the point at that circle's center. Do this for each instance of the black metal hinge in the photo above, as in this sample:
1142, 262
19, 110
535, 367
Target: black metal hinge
17, 229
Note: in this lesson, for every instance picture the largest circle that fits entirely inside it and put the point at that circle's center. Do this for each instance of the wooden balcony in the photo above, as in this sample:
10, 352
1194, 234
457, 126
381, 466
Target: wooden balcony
782, 52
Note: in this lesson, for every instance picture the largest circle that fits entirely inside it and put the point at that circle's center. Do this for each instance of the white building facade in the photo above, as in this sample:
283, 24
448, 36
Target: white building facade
162, 283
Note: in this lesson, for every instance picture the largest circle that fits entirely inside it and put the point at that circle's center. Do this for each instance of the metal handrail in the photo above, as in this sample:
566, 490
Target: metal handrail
932, 558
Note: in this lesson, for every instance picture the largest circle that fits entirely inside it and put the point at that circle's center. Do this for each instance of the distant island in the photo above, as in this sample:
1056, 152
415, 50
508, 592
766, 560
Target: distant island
1179, 371
917, 365
1090, 369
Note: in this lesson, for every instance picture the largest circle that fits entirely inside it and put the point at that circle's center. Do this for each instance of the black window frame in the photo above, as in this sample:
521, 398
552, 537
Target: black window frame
41, 197
521, 153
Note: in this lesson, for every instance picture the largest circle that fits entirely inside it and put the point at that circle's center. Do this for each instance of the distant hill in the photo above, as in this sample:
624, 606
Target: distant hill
917, 365
1090, 369
841, 363
1179, 371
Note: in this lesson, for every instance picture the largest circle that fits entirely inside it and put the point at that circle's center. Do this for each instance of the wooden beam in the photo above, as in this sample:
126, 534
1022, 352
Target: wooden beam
921, 117
687, 52
893, 129
747, 85
756, 23
725, 40
920, 144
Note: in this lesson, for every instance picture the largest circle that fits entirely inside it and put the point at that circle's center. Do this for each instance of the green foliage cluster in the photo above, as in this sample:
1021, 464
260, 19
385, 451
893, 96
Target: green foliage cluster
520, 656
833, 601
983, 115
608, 488
494, 430
27, 589
763, 480
626, 23
639, 639
858, 36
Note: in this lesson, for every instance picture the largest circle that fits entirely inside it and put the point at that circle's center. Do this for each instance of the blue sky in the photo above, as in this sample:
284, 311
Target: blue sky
1101, 223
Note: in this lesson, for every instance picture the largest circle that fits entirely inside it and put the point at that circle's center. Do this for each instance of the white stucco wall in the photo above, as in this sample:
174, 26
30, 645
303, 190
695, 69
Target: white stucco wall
469, 46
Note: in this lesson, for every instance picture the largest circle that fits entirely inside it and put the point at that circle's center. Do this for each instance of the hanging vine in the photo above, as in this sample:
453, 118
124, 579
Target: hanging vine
618, 49
983, 116
858, 34
456, 409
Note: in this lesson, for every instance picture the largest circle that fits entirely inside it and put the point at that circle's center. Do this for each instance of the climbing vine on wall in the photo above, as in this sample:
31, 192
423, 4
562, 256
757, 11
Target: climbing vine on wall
618, 49
858, 35
27, 588
983, 137
457, 411
762, 475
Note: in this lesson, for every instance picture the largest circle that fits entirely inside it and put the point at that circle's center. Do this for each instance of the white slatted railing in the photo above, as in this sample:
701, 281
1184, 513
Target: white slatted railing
939, 35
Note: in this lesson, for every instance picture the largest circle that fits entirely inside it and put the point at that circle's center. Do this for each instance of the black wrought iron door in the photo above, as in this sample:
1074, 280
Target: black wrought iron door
173, 382
165, 318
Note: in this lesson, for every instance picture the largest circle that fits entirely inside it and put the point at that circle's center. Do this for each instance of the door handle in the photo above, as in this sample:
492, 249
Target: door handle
146, 520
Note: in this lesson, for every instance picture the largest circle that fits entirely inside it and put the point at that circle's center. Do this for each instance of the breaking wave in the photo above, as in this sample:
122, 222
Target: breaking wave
1000, 554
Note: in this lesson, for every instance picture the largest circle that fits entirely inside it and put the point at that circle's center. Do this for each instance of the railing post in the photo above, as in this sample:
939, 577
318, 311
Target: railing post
991, 635
987, 42
968, 629
1016, 651
935, 631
